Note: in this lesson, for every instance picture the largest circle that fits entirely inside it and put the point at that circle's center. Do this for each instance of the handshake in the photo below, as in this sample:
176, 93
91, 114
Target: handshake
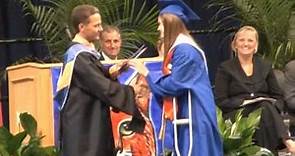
118, 68
122, 66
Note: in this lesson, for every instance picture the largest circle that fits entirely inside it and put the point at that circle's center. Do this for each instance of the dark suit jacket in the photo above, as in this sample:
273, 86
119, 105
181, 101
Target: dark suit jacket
233, 86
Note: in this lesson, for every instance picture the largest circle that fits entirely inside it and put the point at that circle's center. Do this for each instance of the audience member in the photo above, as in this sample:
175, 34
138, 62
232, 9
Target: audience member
288, 85
286, 79
247, 81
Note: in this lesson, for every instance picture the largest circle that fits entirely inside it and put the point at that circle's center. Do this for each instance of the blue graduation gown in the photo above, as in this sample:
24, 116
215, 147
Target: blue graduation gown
189, 73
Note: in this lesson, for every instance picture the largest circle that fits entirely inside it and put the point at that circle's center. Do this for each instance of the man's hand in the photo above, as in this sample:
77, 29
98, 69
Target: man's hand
116, 69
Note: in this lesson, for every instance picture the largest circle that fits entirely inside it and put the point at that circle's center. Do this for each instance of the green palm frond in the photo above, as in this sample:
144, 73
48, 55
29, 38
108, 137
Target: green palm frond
51, 22
137, 24
269, 17
44, 16
17, 145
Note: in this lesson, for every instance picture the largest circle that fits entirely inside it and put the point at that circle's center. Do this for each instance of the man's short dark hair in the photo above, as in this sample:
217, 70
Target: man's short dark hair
109, 29
81, 13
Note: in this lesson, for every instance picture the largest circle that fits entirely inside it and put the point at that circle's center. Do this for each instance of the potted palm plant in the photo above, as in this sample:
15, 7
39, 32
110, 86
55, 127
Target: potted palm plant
237, 134
18, 145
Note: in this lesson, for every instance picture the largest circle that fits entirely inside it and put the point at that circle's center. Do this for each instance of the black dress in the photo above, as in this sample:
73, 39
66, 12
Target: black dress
233, 86
86, 128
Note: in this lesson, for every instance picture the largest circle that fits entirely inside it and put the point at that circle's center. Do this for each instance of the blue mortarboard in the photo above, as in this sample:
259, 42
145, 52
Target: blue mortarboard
180, 9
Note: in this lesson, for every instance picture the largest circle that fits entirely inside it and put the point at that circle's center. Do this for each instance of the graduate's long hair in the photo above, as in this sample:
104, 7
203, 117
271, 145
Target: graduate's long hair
173, 26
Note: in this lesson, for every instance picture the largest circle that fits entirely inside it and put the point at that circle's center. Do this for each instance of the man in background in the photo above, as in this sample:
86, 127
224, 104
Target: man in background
110, 43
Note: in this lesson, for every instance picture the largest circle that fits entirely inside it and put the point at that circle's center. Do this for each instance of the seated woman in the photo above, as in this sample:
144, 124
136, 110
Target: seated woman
247, 81
287, 83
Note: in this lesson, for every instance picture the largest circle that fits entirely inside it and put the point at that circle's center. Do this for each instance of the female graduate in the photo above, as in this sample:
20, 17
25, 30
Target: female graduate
184, 71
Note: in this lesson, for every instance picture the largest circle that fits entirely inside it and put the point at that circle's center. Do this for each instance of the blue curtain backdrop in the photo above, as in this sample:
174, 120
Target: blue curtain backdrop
14, 28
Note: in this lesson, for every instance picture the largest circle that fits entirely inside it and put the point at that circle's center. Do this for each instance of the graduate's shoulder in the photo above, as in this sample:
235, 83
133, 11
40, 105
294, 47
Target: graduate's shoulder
186, 50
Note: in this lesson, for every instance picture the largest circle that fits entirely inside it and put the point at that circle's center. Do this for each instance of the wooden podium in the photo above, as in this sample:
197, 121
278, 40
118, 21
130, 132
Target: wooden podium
30, 90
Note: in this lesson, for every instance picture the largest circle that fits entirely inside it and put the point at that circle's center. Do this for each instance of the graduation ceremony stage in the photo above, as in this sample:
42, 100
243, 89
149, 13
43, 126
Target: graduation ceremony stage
32, 89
